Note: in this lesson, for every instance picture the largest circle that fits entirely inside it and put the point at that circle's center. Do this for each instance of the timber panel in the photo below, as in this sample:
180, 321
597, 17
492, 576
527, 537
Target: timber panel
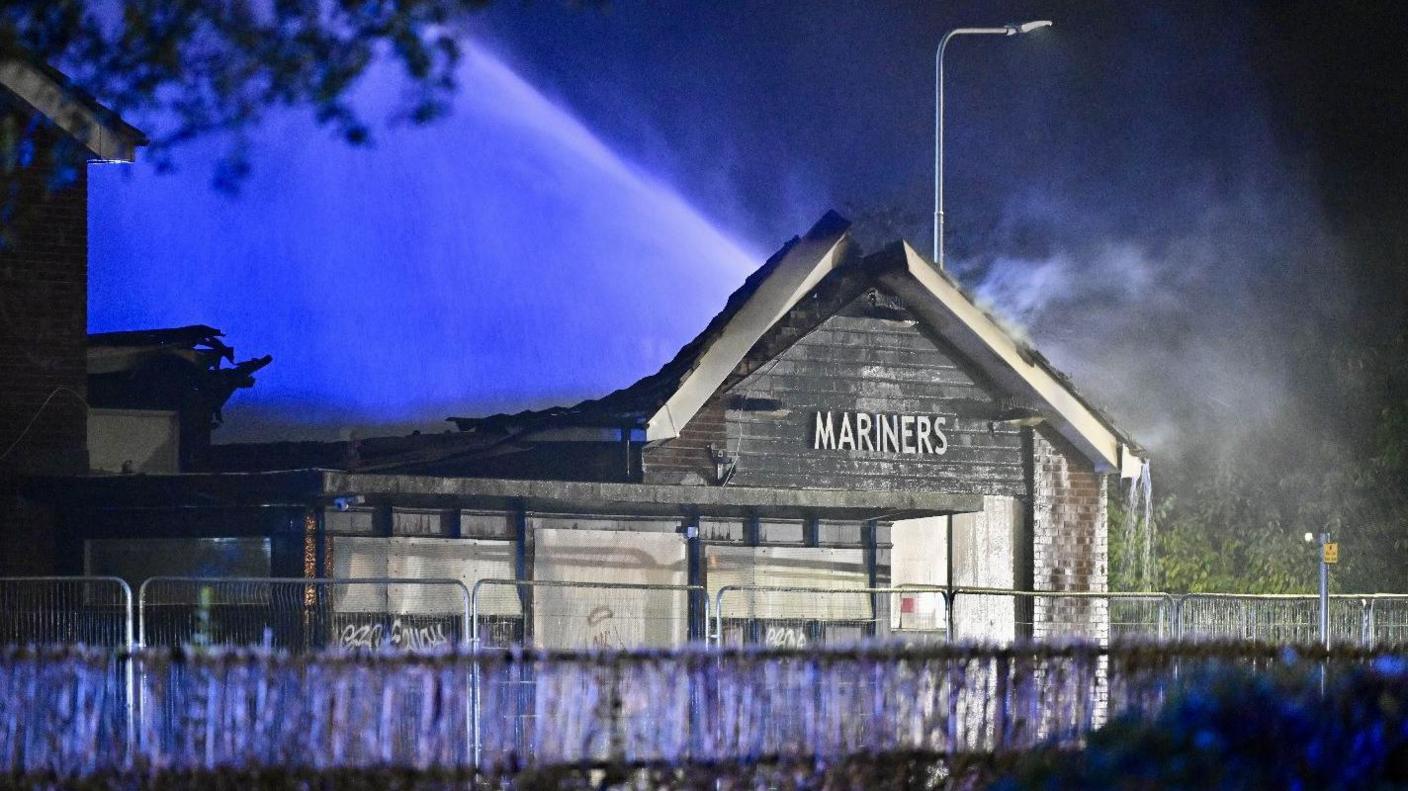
868, 355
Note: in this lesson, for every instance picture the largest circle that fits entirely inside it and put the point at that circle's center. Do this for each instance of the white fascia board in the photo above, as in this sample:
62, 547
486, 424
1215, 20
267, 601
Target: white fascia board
979, 337
55, 103
1131, 465
795, 275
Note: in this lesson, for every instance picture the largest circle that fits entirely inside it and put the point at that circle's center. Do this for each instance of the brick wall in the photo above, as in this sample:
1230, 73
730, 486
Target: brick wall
1070, 551
686, 459
43, 332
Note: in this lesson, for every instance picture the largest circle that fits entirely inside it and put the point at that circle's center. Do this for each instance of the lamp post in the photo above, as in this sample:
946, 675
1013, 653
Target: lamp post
1006, 30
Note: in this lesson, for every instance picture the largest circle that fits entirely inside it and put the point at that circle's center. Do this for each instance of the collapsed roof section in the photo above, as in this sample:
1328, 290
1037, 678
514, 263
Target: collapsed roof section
167, 369
660, 405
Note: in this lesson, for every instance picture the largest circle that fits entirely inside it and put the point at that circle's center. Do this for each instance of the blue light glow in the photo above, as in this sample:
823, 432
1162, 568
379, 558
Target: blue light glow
503, 258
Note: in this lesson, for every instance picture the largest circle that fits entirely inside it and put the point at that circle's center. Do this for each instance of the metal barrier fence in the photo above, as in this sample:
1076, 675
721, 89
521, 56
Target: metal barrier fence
242, 710
1269, 618
575, 615
303, 614
1388, 619
508, 614
798, 617
93, 611
1002, 615
88, 611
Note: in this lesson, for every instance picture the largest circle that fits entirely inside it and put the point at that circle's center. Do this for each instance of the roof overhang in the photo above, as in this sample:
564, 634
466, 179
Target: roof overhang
800, 269
1013, 366
106, 136
935, 300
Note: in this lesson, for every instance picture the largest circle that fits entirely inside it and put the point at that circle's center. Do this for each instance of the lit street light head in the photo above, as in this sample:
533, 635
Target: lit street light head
1027, 27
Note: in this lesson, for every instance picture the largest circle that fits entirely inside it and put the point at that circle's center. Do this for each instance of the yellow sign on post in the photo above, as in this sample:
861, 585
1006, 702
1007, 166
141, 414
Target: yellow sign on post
1331, 552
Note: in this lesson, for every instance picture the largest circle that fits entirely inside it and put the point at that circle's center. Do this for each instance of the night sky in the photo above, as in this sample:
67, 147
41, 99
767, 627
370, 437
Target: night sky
1182, 208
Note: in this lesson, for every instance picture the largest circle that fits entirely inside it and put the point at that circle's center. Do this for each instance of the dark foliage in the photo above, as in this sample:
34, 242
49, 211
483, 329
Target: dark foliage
1231, 727
183, 69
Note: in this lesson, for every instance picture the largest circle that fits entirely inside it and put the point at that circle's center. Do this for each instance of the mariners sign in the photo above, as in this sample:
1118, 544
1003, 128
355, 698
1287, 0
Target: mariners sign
882, 433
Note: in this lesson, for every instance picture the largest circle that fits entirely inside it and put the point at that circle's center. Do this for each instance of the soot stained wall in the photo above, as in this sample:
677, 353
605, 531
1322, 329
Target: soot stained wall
868, 357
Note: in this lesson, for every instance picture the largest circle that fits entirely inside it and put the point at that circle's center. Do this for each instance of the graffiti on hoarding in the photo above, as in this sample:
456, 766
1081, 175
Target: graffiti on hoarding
785, 637
400, 636
603, 632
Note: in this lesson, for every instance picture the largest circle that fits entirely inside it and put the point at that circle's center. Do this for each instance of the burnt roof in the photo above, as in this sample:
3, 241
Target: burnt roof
630, 406
186, 337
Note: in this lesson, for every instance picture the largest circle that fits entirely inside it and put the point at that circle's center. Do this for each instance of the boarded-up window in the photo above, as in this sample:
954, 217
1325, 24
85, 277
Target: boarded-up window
466, 560
592, 615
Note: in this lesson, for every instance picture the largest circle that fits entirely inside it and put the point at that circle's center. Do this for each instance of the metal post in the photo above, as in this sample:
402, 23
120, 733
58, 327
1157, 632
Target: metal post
524, 560
948, 577
719, 617
1366, 627
129, 675
1324, 592
879, 602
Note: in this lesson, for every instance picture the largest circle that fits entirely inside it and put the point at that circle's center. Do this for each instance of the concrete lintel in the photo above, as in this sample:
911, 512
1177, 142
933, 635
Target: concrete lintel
649, 499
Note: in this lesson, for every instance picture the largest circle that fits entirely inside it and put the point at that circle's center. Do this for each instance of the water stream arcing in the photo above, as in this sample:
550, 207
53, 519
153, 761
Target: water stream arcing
505, 257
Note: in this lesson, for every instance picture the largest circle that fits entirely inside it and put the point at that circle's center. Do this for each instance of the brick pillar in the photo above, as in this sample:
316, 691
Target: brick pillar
1070, 550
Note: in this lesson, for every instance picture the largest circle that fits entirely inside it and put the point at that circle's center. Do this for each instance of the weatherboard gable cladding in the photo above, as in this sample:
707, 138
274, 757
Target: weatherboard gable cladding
848, 391
935, 300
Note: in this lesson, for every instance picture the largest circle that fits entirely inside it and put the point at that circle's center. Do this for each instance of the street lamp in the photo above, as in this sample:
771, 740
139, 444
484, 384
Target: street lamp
1006, 30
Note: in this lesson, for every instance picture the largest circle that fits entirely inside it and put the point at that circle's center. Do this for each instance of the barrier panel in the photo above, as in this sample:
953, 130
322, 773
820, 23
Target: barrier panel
577, 615
1272, 618
299, 614
94, 611
798, 617
1001, 615
223, 711
89, 611
304, 614
567, 615
1387, 621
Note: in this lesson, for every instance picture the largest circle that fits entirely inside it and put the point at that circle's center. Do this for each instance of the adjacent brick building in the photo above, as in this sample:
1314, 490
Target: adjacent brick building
44, 291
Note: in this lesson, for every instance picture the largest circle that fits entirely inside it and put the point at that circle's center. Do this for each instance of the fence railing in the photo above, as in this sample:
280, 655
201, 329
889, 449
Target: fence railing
88, 611
241, 710
1002, 615
93, 611
798, 617
1388, 619
306, 614
1270, 618
574, 615
303, 614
